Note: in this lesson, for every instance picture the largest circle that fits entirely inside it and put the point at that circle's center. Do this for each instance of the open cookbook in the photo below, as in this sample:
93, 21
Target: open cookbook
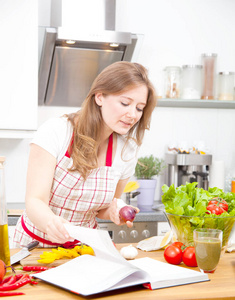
108, 270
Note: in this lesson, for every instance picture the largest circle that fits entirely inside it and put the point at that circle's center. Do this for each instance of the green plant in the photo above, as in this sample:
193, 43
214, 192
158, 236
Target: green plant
148, 166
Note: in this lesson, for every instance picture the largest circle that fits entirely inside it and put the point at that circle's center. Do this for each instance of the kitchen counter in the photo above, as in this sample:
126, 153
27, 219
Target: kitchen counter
220, 286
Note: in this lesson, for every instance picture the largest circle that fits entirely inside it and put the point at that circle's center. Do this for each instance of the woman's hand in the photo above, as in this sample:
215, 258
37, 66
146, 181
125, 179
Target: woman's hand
56, 231
114, 213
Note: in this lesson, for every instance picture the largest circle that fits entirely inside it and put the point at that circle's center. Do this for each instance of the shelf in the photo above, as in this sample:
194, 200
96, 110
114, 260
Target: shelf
197, 103
16, 134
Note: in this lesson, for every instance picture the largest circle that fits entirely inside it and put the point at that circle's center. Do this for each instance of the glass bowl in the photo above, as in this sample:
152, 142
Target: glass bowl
183, 227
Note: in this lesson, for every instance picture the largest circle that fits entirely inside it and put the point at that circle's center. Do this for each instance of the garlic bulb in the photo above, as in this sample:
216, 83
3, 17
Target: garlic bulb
129, 252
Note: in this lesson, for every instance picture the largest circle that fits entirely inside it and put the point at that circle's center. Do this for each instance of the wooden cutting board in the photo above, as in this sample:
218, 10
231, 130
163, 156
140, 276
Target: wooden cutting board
32, 259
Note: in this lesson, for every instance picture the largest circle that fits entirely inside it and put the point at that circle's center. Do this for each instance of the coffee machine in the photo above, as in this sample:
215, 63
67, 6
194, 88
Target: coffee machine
190, 167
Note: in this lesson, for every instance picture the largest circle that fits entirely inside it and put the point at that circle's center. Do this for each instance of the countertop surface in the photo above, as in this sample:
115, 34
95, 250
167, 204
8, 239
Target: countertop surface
220, 286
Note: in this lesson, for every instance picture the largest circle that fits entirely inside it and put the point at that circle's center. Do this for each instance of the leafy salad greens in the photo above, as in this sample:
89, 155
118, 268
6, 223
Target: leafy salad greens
186, 210
188, 200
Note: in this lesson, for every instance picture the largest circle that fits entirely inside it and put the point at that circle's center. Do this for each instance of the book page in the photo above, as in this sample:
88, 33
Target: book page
89, 275
165, 275
98, 239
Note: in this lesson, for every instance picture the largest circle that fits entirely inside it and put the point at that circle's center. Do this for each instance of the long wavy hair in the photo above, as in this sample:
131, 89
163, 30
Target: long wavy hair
113, 80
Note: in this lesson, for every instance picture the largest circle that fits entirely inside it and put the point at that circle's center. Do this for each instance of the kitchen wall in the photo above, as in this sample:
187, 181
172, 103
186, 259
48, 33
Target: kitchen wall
176, 32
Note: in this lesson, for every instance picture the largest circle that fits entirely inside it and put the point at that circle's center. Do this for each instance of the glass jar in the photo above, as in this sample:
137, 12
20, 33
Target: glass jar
172, 82
209, 75
191, 82
4, 238
225, 86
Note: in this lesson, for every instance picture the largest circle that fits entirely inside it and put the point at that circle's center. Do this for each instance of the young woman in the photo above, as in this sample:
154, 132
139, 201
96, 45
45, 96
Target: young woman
80, 163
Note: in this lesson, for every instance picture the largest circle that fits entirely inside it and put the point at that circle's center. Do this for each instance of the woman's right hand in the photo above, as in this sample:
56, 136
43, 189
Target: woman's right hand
56, 231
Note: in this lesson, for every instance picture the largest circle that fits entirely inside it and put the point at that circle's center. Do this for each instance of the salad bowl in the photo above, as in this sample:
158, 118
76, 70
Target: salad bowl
183, 226
188, 207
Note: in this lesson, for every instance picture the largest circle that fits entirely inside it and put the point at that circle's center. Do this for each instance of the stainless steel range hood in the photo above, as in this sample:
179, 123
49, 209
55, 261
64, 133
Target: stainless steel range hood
70, 61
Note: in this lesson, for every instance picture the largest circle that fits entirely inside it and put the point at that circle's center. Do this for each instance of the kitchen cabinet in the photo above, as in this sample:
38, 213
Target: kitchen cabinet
197, 103
18, 68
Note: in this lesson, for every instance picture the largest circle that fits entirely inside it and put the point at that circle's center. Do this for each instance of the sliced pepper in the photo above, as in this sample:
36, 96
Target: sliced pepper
84, 249
46, 260
48, 257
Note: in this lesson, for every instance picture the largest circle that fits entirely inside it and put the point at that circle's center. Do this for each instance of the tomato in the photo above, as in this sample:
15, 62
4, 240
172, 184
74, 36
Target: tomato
178, 244
217, 206
189, 257
173, 255
2, 270
214, 209
219, 202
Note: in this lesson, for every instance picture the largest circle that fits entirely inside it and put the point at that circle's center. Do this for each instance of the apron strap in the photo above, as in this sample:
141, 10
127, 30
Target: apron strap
68, 152
44, 241
109, 152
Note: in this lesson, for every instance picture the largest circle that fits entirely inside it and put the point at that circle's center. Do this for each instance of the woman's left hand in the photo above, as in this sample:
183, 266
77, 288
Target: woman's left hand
114, 214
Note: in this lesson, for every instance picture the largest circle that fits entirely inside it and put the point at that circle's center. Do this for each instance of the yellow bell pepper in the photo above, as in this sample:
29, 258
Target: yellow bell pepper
84, 249
46, 260
48, 257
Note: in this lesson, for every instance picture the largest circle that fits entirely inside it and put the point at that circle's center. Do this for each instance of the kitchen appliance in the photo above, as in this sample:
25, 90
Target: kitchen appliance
70, 58
184, 168
145, 225
24, 252
124, 234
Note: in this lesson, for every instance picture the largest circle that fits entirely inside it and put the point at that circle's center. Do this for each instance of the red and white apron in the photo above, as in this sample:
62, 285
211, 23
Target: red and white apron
72, 198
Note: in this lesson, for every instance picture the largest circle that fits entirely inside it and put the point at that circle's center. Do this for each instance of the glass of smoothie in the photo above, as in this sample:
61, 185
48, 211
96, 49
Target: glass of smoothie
208, 246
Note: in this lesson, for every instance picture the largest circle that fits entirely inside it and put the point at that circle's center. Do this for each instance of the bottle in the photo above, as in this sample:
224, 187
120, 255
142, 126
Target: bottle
233, 185
226, 85
4, 238
172, 82
191, 82
209, 72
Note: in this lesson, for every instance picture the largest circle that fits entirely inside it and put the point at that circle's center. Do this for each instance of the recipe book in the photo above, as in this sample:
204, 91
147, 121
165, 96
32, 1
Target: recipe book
108, 270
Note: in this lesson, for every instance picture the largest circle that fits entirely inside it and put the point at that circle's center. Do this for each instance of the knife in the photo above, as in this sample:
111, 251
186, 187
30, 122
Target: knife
24, 252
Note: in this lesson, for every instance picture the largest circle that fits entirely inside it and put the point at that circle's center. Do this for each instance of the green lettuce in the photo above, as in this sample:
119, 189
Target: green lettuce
186, 210
188, 200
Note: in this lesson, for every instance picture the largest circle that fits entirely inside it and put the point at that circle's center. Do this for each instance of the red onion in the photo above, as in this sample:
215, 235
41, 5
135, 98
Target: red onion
127, 213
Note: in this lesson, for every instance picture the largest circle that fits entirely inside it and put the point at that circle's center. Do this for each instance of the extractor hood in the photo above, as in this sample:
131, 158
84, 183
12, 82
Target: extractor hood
71, 59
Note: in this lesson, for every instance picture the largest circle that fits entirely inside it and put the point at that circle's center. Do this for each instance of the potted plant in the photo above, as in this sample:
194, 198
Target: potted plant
146, 168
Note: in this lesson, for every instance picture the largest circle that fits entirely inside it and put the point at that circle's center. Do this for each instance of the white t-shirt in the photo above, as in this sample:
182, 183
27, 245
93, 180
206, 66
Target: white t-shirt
55, 135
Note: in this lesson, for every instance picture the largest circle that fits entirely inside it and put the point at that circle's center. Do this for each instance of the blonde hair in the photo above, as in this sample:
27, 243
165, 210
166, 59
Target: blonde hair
114, 79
